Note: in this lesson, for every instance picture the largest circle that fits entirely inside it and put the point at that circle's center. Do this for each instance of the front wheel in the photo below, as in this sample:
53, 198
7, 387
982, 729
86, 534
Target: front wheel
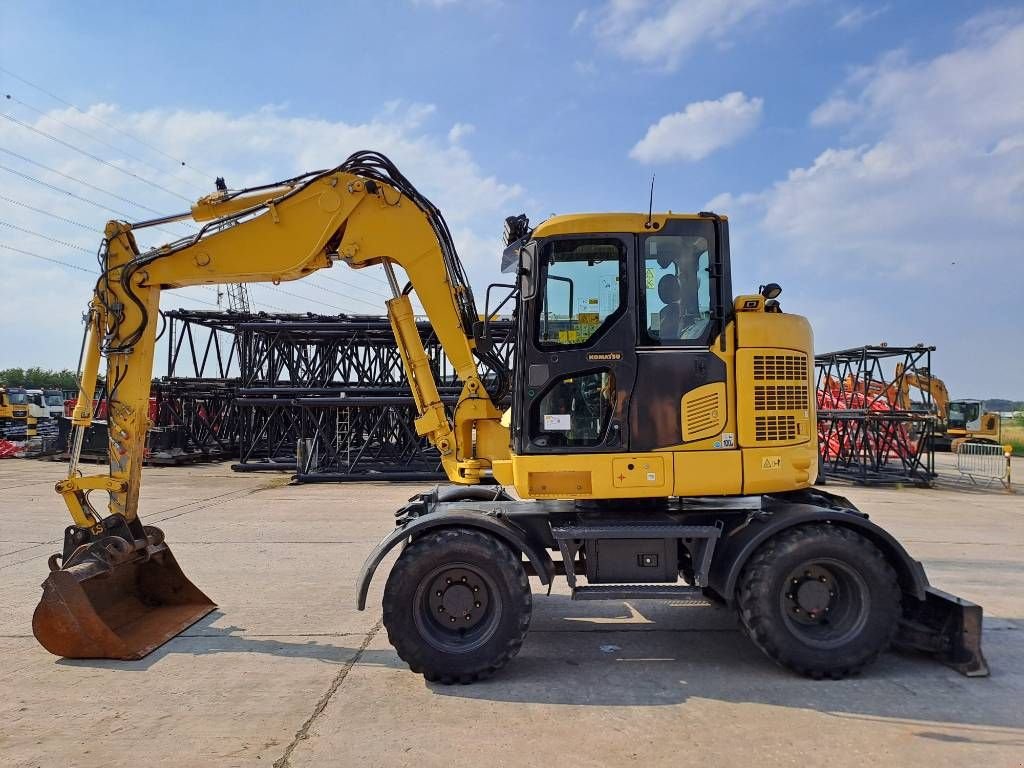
819, 599
457, 605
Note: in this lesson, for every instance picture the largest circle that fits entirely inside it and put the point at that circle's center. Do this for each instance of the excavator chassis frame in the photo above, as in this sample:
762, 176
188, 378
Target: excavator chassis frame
934, 622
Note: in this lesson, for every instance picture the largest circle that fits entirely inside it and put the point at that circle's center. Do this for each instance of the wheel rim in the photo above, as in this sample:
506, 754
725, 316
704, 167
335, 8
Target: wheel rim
457, 608
825, 603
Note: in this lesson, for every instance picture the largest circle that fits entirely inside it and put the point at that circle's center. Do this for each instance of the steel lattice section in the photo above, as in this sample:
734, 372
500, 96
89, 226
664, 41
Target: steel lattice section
328, 388
864, 433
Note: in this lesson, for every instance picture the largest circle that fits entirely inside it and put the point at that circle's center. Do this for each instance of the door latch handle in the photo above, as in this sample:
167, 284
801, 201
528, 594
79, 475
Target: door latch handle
614, 434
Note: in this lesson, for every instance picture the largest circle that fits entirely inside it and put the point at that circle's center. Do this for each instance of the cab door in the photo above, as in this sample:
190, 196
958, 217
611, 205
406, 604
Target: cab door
682, 389
576, 362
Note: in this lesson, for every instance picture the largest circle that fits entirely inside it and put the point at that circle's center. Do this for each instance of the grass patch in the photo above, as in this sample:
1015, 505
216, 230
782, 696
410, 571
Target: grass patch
1013, 434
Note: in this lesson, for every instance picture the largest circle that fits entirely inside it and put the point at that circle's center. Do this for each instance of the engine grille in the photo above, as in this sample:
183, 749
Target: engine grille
775, 428
774, 367
780, 397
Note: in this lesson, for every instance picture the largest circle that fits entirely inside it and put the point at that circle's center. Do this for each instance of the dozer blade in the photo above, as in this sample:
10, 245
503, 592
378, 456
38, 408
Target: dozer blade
947, 627
97, 610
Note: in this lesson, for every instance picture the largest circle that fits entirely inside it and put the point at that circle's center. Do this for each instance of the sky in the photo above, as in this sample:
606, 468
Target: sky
869, 155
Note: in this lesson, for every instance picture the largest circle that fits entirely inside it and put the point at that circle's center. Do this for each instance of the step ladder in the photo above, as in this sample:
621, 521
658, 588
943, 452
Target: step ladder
343, 437
702, 539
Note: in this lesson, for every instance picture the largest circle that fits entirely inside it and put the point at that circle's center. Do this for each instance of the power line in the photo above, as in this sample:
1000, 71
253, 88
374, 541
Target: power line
84, 183
93, 117
46, 213
55, 188
352, 285
97, 158
343, 295
98, 140
303, 298
45, 237
46, 258
89, 271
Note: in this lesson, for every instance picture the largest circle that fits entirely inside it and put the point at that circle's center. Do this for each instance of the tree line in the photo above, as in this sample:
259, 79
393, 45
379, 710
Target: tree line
38, 378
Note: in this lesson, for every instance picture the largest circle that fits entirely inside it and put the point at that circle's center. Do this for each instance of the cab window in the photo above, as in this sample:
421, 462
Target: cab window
583, 289
575, 410
677, 293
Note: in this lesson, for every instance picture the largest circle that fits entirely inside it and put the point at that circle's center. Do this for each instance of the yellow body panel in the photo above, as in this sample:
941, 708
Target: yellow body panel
601, 470
584, 223
771, 470
708, 473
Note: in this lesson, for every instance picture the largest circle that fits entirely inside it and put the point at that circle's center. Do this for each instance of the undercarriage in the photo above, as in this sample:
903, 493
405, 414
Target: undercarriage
816, 585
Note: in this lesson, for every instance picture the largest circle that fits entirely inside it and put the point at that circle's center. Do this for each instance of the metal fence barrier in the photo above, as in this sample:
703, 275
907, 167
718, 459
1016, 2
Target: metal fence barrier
984, 461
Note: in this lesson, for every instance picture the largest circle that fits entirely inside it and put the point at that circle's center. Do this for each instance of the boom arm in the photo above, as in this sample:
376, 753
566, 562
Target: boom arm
363, 212
925, 383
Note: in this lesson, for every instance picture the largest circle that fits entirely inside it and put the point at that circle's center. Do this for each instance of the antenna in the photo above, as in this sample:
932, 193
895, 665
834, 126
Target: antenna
650, 207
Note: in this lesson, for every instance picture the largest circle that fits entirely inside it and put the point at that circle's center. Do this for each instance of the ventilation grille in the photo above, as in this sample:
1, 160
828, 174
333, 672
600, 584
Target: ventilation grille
702, 413
775, 428
780, 397
774, 367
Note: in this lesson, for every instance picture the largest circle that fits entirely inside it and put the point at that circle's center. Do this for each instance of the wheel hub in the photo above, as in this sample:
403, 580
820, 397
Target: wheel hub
458, 598
811, 595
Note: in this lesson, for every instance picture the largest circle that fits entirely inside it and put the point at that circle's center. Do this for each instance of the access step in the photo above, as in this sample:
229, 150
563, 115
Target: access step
691, 595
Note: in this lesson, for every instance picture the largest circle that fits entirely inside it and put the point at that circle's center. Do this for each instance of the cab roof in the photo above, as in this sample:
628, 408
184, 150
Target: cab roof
586, 223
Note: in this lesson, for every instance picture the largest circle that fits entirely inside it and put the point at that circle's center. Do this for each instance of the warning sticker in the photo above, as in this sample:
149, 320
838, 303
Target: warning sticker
650, 277
557, 422
593, 318
771, 462
728, 440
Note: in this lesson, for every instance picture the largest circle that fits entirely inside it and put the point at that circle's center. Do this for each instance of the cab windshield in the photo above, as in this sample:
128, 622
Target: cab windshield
54, 399
18, 398
962, 414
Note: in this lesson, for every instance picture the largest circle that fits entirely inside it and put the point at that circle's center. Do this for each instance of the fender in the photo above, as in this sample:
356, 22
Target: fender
486, 522
784, 511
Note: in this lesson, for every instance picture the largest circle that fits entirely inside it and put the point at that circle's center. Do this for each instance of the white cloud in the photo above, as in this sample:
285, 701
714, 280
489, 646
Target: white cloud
834, 111
246, 149
662, 33
920, 210
858, 16
700, 129
459, 131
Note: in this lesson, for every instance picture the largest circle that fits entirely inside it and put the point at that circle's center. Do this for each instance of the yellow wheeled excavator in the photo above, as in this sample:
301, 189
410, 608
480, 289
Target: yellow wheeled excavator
661, 440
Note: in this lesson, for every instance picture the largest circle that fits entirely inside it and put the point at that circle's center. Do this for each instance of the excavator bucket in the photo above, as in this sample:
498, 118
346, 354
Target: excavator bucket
116, 602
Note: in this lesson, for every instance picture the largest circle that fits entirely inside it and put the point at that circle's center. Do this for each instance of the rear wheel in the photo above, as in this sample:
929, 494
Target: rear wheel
819, 599
457, 605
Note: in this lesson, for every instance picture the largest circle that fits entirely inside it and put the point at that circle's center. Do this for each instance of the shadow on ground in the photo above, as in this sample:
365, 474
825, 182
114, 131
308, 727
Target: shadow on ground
650, 654
202, 638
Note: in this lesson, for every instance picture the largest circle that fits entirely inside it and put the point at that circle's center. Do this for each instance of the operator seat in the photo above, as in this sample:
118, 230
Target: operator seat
669, 292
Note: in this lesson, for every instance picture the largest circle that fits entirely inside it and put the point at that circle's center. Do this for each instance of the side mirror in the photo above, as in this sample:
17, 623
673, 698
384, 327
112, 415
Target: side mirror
770, 291
528, 270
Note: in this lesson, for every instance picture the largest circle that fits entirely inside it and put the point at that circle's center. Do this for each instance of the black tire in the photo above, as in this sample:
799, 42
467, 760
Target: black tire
468, 576
819, 599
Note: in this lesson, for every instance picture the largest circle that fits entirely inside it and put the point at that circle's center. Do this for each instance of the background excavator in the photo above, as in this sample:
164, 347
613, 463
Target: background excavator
661, 440
959, 421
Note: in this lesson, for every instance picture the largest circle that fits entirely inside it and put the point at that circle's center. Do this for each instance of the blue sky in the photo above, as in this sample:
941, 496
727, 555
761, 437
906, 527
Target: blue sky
870, 155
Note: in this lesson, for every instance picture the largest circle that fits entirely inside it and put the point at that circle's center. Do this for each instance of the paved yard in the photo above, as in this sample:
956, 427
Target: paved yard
287, 672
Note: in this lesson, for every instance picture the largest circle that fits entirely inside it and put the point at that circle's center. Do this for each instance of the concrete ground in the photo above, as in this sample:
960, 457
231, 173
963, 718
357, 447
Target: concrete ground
287, 673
